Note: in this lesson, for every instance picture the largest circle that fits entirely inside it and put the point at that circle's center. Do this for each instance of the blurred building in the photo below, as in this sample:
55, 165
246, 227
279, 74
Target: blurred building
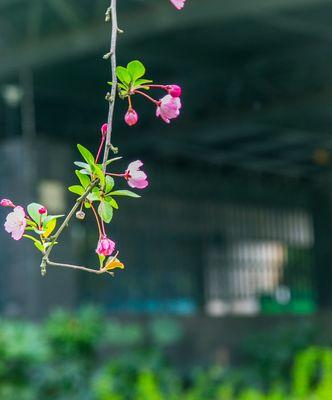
237, 220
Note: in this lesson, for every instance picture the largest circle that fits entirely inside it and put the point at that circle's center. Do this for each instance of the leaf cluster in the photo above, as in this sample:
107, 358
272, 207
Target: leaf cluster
104, 193
131, 78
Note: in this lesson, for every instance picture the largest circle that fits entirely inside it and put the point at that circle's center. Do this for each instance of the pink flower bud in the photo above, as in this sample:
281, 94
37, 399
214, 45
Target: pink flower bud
131, 117
104, 129
6, 203
42, 210
174, 90
105, 246
178, 3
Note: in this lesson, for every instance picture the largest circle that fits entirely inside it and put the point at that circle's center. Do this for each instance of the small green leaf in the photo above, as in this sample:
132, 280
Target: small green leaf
140, 82
108, 162
49, 228
33, 209
109, 184
76, 189
86, 154
105, 211
31, 238
123, 75
38, 231
136, 70
31, 223
112, 202
84, 180
50, 218
87, 204
85, 172
127, 193
39, 246
95, 196
82, 164
99, 173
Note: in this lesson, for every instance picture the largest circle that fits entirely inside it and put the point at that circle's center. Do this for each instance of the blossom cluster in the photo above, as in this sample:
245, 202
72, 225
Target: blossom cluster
19, 221
132, 82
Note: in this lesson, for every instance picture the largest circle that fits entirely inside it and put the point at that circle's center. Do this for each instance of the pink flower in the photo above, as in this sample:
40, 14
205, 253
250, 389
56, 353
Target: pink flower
178, 3
135, 177
104, 129
6, 203
174, 90
131, 117
42, 210
168, 108
105, 246
16, 223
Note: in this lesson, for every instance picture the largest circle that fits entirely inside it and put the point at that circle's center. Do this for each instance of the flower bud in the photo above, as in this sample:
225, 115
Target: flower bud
174, 90
105, 246
80, 215
42, 210
104, 129
6, 203
131, 117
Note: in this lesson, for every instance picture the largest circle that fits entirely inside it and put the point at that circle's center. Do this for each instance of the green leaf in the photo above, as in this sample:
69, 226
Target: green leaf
105, 211
39, 246
101, 260
140, 82
33, 211
109, 184
38, 231
127, 193
108, 162
49, 228
136, 69
85, 181
94, 196
77, 189
99, 173
31, 223
31, 238
87, 204
86, 154
123, 75
112, 202
50, 218
83, 165
85, 172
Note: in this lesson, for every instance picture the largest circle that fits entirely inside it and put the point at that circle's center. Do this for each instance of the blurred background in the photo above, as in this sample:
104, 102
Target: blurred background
227, 289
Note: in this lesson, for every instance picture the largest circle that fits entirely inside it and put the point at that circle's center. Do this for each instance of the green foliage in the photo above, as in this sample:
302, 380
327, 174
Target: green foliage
73, 356
105, 210
130, 78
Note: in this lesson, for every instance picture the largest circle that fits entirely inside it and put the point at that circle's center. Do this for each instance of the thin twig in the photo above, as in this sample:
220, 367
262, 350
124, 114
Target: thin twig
91, 270
112, 51
94, 271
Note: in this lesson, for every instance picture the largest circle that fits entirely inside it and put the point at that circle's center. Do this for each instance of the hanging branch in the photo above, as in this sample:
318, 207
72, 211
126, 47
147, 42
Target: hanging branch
96, 186
111, 13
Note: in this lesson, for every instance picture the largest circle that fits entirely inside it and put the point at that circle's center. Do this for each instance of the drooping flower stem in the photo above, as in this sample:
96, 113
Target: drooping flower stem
106, 140
147, 96
100, 148
97, 219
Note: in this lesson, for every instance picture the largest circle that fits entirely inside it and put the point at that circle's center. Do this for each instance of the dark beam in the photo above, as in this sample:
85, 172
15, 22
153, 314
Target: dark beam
94, 37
